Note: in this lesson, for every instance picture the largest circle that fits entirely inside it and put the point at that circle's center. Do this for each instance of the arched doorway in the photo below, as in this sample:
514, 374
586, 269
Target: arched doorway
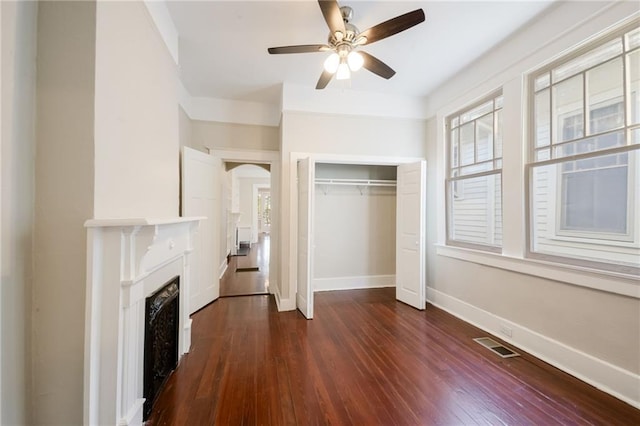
248, 199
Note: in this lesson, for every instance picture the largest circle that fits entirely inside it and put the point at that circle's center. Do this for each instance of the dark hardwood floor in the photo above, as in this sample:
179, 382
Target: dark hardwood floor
241, 283
364, 360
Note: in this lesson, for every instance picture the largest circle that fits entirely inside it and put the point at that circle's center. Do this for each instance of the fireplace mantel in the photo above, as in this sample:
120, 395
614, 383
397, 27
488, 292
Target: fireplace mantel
127, 260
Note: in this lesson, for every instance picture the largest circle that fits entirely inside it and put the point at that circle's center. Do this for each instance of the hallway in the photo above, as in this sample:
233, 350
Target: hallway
238, 280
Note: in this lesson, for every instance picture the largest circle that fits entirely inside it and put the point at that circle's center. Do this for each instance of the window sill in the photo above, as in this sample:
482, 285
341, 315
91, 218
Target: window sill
611, 282
585, 239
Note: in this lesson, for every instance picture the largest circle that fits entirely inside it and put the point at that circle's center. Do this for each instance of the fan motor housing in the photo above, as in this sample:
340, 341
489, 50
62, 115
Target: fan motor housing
351, 30
347, 13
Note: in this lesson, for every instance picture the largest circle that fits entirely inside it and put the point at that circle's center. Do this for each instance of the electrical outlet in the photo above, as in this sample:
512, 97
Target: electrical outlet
506, 330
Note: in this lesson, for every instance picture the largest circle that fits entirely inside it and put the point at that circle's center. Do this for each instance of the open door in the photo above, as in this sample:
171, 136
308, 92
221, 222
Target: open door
304, 295
410, 235
199, 198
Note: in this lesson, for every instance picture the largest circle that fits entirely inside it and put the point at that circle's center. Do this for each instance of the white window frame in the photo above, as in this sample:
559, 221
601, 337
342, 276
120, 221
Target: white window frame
628, 239
454, 185
632, 237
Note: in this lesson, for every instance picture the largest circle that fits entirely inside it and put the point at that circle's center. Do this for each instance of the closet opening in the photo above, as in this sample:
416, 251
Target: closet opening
354, 227
360, 226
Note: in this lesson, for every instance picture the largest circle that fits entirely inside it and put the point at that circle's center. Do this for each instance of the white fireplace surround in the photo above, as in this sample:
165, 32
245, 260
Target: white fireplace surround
127, 260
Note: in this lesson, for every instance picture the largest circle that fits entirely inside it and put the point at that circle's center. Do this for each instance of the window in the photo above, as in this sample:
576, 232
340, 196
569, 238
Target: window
585, 184
266, 211
583, 171
474, 178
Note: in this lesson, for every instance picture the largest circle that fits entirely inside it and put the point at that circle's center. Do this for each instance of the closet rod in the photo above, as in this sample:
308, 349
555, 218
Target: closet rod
356, 182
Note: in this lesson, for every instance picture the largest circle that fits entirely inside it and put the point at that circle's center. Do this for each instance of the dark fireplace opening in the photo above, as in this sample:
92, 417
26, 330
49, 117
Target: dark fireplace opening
160, 340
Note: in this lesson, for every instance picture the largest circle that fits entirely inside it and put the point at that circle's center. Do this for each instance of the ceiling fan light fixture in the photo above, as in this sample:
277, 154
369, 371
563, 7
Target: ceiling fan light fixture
355, 60
343, 72
331, 63
344, 38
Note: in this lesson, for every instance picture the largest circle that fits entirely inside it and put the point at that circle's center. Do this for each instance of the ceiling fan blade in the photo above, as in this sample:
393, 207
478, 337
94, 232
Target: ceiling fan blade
324, 79
303, 48
376, 66
393, 26
332, 15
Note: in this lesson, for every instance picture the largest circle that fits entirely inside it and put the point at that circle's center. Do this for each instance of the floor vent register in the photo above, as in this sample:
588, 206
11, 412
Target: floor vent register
496, 347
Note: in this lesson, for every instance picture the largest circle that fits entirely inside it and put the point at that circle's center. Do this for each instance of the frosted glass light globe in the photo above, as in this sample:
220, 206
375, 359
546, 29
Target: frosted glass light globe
331, 63
355, 60
343, 72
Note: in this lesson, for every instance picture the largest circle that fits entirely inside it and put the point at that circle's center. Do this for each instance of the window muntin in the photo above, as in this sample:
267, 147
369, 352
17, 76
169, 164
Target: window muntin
475, 138
474, 178
583, 173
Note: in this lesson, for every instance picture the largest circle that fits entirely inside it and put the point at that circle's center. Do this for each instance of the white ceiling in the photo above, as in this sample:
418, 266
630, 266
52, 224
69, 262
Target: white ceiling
223, 44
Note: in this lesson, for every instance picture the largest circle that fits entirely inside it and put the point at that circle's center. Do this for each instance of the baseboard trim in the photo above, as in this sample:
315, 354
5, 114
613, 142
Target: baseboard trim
284, 304
134, 414
607, 377
301, 302
186, 344
222, 268
353, 283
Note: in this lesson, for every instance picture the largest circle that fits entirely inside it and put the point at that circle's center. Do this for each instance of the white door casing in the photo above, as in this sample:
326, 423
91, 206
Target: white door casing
304, 294
200, 198
410, 234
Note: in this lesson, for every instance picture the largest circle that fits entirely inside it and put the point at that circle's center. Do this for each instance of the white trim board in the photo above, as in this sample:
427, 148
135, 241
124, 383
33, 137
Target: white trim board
353, 283
222, 268
611, 282
284, 304
247, 156
607, 377
159, 14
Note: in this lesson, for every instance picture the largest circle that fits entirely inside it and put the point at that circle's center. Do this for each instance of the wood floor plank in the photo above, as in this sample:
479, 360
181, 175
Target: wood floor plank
248, 282
365, 359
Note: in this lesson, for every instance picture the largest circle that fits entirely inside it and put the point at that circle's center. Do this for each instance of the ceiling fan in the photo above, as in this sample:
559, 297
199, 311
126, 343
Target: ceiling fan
345, 39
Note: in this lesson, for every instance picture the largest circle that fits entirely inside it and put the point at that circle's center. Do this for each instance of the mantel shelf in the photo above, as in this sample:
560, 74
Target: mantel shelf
138, 221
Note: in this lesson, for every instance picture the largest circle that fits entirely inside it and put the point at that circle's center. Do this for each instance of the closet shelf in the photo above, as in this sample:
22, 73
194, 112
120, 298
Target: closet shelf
356, 182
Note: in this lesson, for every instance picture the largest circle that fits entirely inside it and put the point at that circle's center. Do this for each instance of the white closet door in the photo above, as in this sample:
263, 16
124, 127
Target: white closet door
304, 295
410, 234
199, 198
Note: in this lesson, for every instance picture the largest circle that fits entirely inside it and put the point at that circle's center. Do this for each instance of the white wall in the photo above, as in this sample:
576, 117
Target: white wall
337, 101
184, 129
354, 236
591, 333
64, 200
216, 135
275, 264
352, 135
231, 111
136, 116
18, 186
